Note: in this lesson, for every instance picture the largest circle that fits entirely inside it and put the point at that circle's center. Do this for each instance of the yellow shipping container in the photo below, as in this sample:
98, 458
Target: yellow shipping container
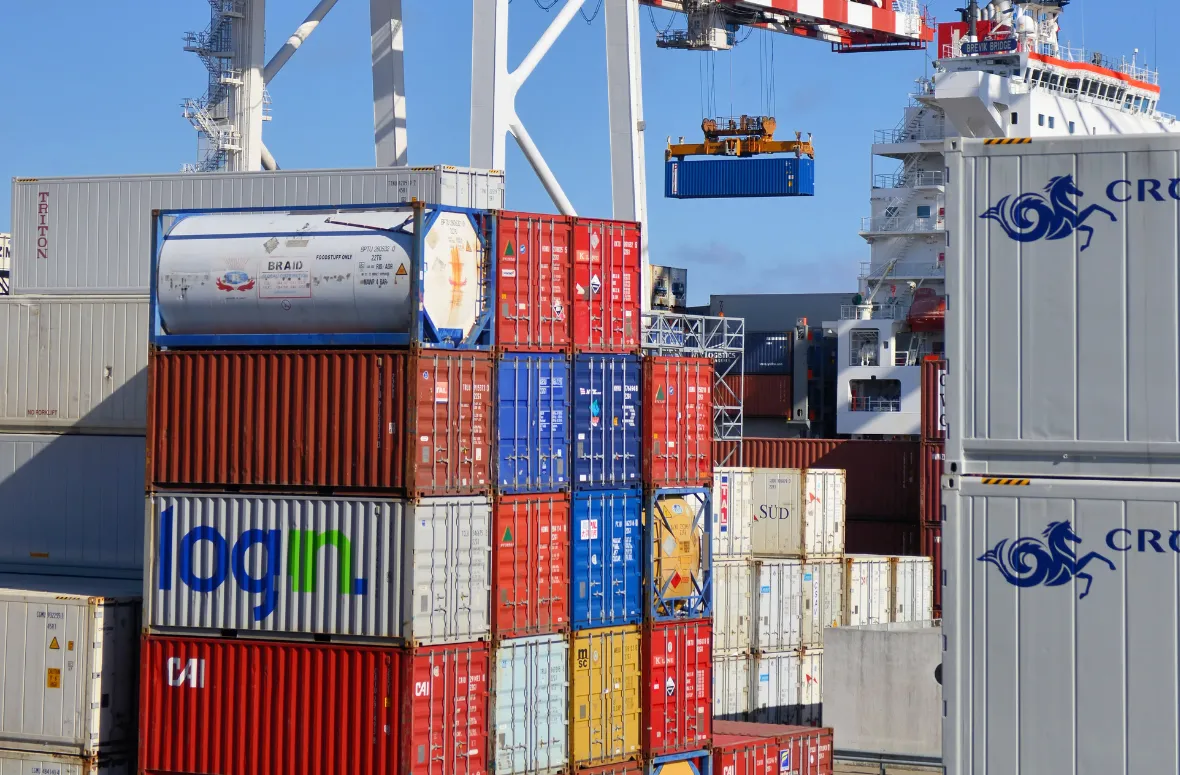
678, 558
606, 695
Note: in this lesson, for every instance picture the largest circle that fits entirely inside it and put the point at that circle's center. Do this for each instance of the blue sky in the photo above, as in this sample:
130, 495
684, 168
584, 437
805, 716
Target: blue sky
95, 88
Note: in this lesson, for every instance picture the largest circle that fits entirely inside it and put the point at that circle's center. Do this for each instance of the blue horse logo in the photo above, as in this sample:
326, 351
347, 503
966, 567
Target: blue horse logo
1031, 217
1053, 561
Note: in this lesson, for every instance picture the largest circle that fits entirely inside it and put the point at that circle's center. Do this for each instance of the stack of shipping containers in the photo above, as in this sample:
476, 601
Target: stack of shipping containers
933, 456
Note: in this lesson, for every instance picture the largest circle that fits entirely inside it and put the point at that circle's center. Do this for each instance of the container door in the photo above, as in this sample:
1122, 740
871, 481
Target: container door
776, 695
606, 286
733, 605
532, 435
607, 572
780, 605
678, 695
811, 695
913, 594
532, 288
823, 600
446, 726
777, 516
823, 525
867, 591
447, 599
531, 707
606, 692
731, 687
606, 401
530, 585
732, 504
450, 445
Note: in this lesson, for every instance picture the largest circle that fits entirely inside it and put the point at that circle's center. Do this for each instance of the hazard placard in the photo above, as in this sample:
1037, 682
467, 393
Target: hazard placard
53, 678
53, 644
401, 271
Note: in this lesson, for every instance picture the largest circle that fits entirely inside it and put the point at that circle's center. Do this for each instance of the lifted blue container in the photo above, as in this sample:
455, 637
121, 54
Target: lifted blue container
670, 533
532, 435
606, 403
729, 178
606, 572
698, 763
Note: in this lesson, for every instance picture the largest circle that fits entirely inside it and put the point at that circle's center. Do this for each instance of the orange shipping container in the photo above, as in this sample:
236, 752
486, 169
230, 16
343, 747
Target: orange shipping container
678, 421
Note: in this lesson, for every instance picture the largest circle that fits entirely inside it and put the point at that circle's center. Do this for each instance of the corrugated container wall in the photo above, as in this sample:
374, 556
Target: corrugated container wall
763, 395
607, 286
1060, 364
450, 417
530, 713
606, 695
678, 688
445, 718
533, 259
606, 566
786, 512
877, 536
68, 673
731, 686
769, 352
212, 705
531, 570
932, 548
868, 590
532, 430
606, 401
882, 476
809, 750
677, 421
733, 606
74, 364
788, 688
93, 235
913, 593
418, 573
934, 376
729, 178
72, 502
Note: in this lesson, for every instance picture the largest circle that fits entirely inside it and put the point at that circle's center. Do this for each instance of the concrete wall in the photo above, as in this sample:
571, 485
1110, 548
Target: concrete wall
880, 692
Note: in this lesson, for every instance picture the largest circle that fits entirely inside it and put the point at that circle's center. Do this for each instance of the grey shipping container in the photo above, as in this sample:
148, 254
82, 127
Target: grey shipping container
1060, 626
69, 671
1063, 327
24, 763
304, 566
73, 364
530, 710
93, 234
72, 504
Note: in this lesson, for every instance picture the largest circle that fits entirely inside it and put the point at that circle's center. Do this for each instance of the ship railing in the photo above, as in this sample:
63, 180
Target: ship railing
921, 134
903, 270
875, 405
1118, 64
899, 225
875, 312
910, 180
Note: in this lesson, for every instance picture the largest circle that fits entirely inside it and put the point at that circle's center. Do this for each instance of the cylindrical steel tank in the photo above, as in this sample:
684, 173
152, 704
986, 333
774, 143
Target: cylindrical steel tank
316, 273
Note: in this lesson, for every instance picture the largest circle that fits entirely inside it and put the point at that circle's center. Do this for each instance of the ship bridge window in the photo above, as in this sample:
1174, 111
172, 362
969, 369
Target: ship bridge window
1093, 89
1071, 127
874, 395
1040, 119
864, 347
1071, 85
1101, 91
1051, 122
924, 211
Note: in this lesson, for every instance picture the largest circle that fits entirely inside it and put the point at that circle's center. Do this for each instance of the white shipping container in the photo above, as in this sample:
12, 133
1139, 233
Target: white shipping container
24, 763
74, 363
868, 590
93, 235
788, 687
70, 670
778, 512
913, 589
731, 686
796, 600
72, 502
320, 566
733, 606
530, 709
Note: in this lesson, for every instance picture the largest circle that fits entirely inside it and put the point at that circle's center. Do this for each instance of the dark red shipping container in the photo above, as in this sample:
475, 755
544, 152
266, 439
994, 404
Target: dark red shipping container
295, 418
933, 399
677, 421
607, 286
451, 417
809, 750
237, 707
933, 459
932, 548
444, 712
530, 577
744, 755
678, 693
533, 286
882, 476
763, 395
882, 536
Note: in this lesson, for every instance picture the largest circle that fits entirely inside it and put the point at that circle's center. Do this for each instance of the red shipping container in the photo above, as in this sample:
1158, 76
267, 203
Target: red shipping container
933, 460
933, 399
882, 476
239, 707
678, 421
932, 548
444, 712
744, 755
763, 395
532, 289
678, 693
530, 577
291, 418
880, 536
607, 286
808, 750
451, 417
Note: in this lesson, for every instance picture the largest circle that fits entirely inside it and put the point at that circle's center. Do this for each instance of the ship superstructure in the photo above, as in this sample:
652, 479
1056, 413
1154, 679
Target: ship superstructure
1002, 71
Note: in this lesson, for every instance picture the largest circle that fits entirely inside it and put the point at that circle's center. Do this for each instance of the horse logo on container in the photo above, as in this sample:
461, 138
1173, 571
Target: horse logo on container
1032, 217
1031, 562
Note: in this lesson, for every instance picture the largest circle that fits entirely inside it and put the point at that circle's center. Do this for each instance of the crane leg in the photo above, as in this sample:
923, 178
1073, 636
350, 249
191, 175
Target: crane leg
389, 83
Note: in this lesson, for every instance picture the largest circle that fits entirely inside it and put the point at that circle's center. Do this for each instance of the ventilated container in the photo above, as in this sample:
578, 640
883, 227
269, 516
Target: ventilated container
24, 763
212, 705
677, 421
678, 686
868, 590
73, 364
93, 234
913, 592
606, 568
305, 566
787, 512
69, 667
533, 276
607, 286
788, 687
530, 565
606, 405
731, 685
72, 502
530, 706
679, 566
532, 430
796, 601
445, 719
733, 605
605, 695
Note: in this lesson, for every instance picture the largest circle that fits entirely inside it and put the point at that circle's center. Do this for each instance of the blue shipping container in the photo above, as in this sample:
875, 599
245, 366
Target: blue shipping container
726, 178
532, 434
769, 352
606, 567
606, 400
